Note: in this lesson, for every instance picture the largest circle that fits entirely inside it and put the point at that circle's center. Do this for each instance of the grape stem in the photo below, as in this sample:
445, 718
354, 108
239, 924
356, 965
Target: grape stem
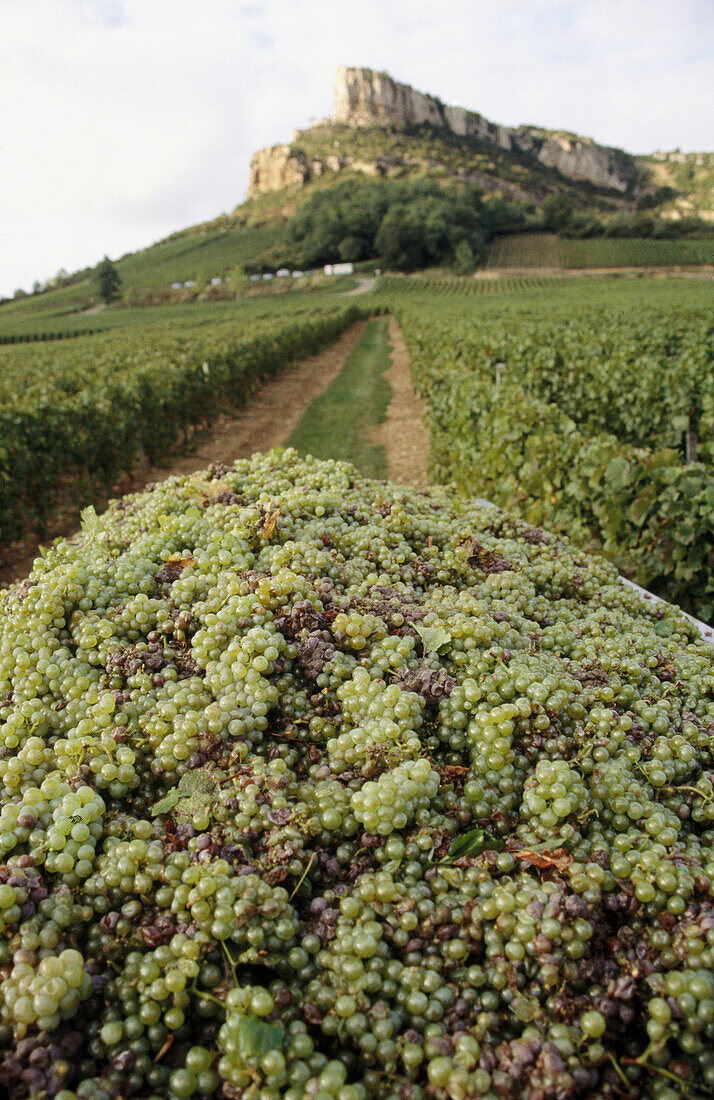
208, 996
663, 1073
619, 1070
231, 963
165, 1048
706, 798
303, 876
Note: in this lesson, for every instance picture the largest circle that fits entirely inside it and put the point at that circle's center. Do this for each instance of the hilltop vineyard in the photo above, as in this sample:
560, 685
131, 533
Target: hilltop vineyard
314, 787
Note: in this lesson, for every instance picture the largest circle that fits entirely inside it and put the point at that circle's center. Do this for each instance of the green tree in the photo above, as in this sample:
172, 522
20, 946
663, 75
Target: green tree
350, 248
108, 280
408, 223
557, 211
464, 257
400, 239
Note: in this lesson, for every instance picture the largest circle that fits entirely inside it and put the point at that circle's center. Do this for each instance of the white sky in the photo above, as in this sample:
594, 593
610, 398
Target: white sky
123, 120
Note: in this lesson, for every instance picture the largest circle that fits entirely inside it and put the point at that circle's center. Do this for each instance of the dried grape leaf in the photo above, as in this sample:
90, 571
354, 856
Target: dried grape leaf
557, 860
480, 557
455, 773
270, 522
180, 561
207, 489
172, 568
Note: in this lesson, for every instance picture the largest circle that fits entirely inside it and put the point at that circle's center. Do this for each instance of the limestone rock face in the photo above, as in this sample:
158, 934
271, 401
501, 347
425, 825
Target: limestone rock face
580, 159
275, 168
363, 97
366, 98
285, 166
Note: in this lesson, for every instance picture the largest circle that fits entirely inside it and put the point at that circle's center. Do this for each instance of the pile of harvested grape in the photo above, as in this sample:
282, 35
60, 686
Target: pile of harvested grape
315, 787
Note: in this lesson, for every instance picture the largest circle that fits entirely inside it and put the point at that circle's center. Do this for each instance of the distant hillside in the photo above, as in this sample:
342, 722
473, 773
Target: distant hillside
677, 184
381, 128
197, 253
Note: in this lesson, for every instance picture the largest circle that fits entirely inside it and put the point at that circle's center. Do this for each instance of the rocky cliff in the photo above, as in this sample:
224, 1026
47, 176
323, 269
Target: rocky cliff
364, 99
288, 166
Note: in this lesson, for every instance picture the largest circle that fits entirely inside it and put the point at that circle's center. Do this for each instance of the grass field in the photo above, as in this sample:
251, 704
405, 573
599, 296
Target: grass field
339, 424
202, 256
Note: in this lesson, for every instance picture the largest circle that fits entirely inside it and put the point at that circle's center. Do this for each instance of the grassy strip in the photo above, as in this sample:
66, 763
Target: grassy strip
339, 423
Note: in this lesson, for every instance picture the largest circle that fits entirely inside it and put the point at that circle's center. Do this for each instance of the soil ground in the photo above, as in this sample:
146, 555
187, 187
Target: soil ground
366, 283
270, 416
403, 433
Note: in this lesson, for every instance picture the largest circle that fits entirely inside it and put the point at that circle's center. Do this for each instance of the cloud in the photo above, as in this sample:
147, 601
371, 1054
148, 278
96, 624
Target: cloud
262, 40
132, 119
106, 13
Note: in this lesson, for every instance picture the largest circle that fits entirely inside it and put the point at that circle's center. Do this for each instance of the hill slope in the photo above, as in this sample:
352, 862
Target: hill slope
385, 129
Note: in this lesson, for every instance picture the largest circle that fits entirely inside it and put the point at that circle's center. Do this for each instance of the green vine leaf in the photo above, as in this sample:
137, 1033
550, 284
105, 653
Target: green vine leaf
91, 525
196, 791
256, 1038
166, 805
472, 843
434, 638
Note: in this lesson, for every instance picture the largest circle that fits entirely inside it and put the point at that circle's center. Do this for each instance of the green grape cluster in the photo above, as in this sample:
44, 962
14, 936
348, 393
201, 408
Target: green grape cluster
329, 800
354, 630
59, 826
380, 723
255, 917
43, 995
391, 802
281, 1061
27, 768
555, 792
9, 909
126, 868
72, 836
152, 993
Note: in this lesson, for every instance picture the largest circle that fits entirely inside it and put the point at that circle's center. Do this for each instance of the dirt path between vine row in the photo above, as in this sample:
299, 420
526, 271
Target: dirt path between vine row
272, 413
363, 285
403, 433
267, 420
